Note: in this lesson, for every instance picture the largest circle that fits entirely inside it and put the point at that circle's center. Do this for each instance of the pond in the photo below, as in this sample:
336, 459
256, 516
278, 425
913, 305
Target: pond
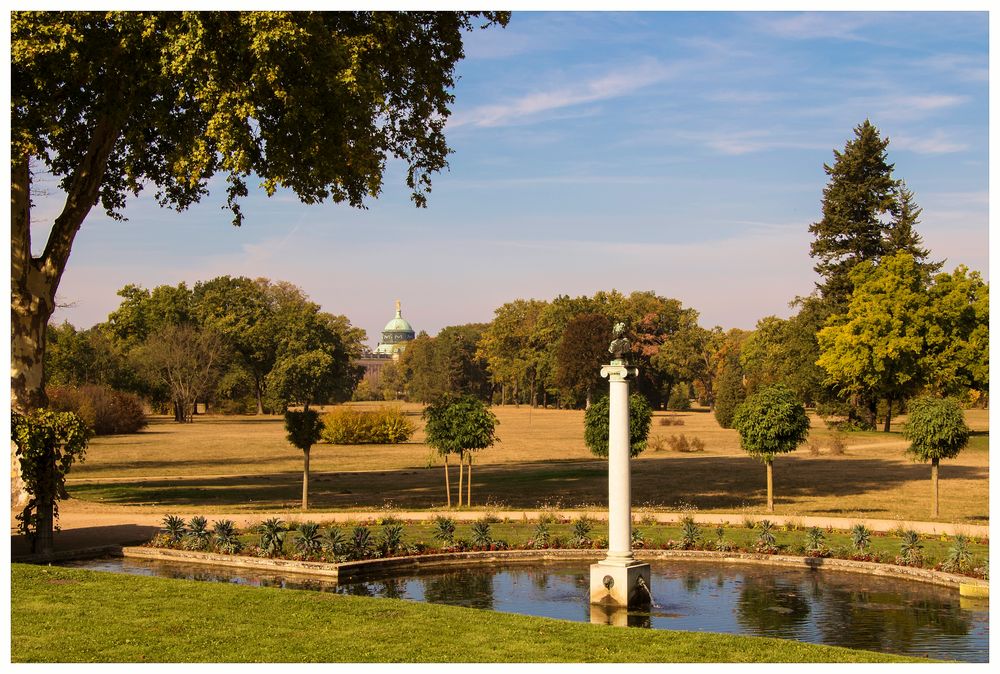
822, 607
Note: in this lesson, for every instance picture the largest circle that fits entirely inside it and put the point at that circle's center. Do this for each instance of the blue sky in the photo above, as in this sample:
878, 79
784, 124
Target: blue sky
679, 152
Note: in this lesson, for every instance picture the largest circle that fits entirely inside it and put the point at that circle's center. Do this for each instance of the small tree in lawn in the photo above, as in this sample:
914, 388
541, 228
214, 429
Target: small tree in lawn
596, 420
304, 430
936, 430
459, 425
46, 445
771, 422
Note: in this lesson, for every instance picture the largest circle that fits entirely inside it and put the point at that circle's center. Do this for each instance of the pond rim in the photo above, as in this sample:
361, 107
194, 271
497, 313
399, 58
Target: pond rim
374, 568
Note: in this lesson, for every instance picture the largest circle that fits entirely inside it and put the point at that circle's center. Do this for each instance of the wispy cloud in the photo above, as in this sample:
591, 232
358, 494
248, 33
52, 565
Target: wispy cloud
936, 143
836, 25
530, 107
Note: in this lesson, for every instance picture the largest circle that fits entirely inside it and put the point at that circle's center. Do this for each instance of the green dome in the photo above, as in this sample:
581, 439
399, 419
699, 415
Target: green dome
398, 324
397, 332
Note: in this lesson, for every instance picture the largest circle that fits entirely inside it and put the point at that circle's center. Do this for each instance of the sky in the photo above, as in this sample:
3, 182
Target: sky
678, 152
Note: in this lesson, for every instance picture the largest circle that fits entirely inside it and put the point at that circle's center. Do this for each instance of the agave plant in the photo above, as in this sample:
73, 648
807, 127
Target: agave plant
308, 541
272, 536
638, 540
335, 542
392, 538
360, 545
540, 539
198, 537
959, 556
444, 529
910, 548
690, 532
861, 537
226, 541
481, 533
814, 539
765, 537
174, 526
581, 532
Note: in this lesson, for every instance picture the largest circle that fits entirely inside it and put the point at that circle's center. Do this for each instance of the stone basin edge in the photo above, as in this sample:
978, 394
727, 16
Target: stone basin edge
373, 568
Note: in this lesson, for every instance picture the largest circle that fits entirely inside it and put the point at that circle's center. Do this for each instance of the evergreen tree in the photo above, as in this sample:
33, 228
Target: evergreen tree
857, 203
729, 391
901, 237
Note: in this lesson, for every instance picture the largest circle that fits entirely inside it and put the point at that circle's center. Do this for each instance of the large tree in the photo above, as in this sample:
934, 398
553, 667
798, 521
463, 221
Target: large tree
580, 354
858, 202
312, 102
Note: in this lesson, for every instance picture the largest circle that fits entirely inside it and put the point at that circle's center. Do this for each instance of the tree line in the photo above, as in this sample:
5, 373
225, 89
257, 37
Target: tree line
884, 324
235, 343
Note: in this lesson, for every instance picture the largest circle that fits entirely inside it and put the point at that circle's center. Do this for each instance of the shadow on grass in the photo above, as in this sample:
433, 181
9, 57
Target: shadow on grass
708, 483
88, 537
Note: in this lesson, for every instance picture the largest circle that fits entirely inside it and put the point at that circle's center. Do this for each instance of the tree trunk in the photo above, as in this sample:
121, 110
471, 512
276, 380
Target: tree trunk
770, 488
587, 404
447, 485
468, 497
873, 413
305, 479
888, 414
934, 487
461, 465
258, 390
34, 280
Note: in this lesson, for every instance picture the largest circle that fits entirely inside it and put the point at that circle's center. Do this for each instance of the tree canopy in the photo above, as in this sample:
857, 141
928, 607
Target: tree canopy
936, 429
771, 421
596, 425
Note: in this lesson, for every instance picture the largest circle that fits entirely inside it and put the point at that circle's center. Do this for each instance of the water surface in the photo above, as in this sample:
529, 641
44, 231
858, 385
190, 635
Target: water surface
821, 607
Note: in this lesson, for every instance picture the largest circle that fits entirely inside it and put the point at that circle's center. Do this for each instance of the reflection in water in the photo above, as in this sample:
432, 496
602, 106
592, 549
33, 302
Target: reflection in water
772, 607
825, 607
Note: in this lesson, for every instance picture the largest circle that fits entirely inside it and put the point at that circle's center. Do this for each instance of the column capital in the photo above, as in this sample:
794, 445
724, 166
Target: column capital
615, 372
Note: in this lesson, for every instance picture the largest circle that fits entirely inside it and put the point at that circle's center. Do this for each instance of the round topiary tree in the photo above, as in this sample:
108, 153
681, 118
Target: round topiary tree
936, 430
304, 430
771, 422
596, 420
459, 425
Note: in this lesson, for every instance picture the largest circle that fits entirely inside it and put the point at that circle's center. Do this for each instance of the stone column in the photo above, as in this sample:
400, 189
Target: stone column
619, 580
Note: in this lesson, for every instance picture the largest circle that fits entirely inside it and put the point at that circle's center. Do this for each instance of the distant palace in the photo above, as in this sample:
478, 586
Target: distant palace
395, 336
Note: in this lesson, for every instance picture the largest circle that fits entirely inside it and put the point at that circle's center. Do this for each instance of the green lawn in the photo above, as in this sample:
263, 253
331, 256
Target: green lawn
70, 615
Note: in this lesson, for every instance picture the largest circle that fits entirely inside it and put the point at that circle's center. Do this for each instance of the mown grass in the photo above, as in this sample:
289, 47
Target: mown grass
244, 463
70, 615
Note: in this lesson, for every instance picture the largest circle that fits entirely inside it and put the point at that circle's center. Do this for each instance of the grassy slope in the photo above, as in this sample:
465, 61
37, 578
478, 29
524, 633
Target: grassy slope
78, 616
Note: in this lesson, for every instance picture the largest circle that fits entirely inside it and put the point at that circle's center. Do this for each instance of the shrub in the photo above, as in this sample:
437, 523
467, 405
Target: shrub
386, 426
224, 535
444, 529
765, 538
481, 536
861, 537
308, 541
671, 420
198, 536
814, 539
540, 539
690, 532
272, 536
680, 400
581, 532
682, 444
838, 443
334, 542
959, 556
174, 527
104, 410
638, 540
392, 539
596, 421
360, 546
910, 548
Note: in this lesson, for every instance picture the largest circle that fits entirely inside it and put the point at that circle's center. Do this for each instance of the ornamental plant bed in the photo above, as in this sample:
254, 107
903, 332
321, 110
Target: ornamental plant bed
275, 544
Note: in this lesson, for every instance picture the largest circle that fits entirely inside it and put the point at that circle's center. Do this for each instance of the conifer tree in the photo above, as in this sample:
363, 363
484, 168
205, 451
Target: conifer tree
901, 237
858, 203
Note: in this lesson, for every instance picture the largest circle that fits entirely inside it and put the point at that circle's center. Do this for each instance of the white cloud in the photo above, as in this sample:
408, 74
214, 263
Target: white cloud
529, 107
811, 26
936, 143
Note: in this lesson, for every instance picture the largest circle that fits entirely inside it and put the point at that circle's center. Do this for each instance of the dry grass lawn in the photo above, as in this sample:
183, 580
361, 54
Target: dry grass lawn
235, 463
